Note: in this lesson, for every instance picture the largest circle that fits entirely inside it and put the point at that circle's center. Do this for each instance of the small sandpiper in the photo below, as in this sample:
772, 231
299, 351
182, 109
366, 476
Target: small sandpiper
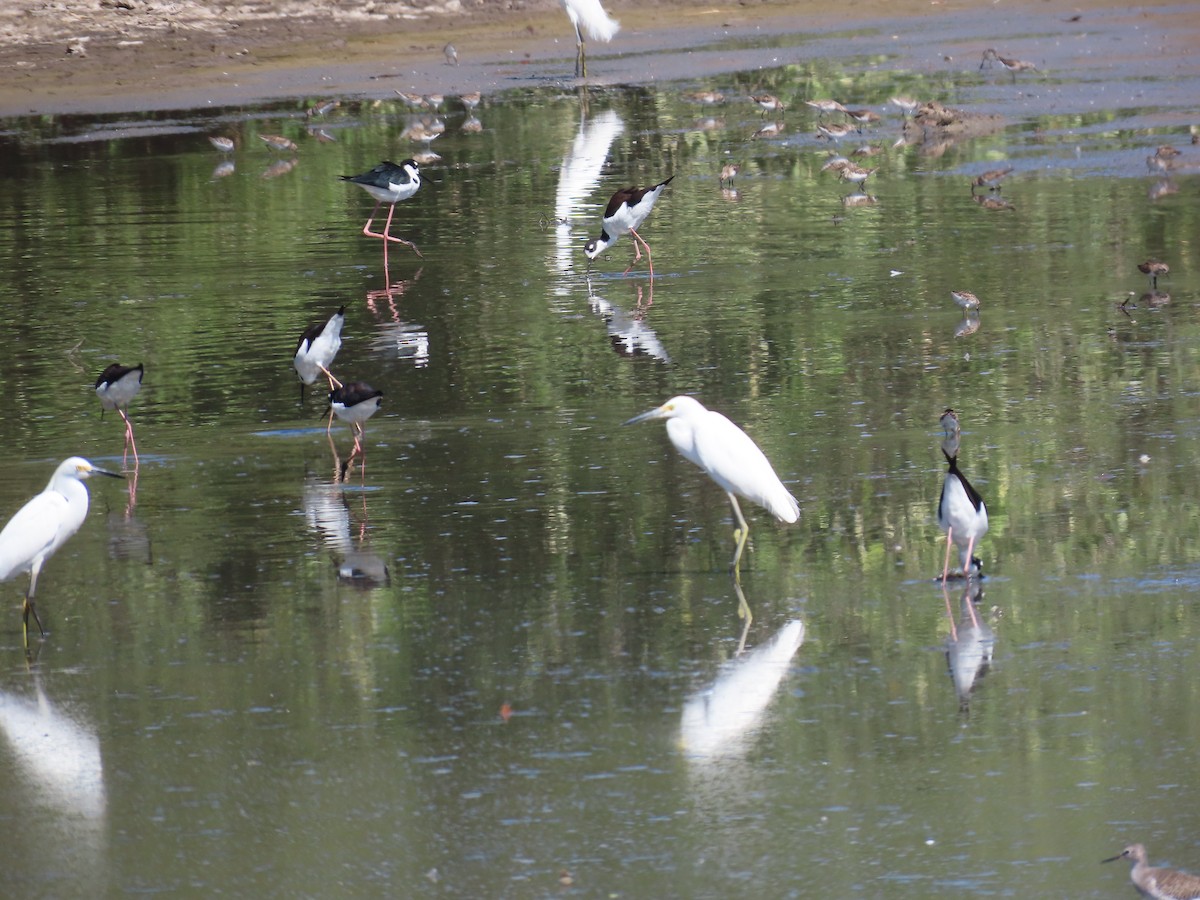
729, 172
965, 299
224, 144
278, 142
991, 180
825, 106
1157, 883
834, 132
906, 105
863, 117
1012, 65
769, 103
1154, 269
470, 100
857, 174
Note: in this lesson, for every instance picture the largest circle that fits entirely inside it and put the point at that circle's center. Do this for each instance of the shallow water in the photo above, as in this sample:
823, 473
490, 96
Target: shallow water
508, 650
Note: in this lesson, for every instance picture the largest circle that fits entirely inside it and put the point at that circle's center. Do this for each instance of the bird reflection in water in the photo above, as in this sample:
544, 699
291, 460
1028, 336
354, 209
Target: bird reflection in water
327, 512
628, 332
967, 325
969, 646
719, 721
393, 336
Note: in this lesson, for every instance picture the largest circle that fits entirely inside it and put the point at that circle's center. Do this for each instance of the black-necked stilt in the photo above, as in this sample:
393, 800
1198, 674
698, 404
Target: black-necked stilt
43, 525
316, 350
1157, 883
965, 299
729, 457
991, 180
961, 511
1012, 65
599, 25
1155, 270
116, 387
627, 210
388, 183
355, 402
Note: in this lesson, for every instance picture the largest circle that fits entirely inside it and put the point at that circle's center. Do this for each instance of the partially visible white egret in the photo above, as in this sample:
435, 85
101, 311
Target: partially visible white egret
729, 457
596, 22
961, 512
43, 525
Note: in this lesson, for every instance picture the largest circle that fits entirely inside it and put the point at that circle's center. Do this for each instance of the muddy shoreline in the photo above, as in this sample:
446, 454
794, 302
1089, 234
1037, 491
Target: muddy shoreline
116, 56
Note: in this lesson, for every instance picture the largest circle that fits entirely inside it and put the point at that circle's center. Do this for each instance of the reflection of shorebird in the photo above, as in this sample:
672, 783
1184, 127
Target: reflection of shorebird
628, 332
627, 209
316, 349
116, 387
961, 511
388, 183
1012, 65
967, 326
970, 645
729, 457
1157, 883
598, 24
993, 203
1154, 269
43, 525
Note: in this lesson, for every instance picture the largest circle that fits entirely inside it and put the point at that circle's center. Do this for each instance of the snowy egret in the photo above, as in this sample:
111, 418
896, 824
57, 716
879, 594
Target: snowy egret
43, 525
627, 210
1152, 881
961, 512
388, 183
315, 352
355, 402
596, 22
116, 387
729, 457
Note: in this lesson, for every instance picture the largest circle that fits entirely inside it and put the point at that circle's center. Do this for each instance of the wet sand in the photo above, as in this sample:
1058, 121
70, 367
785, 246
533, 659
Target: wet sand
125, 61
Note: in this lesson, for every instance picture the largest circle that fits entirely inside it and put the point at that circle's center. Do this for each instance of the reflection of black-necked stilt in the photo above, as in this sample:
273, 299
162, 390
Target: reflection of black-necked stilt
116, 387
596, 22
316, 349
1159, 883
388, 183
627, 210
961, 512
43, 525
355, 402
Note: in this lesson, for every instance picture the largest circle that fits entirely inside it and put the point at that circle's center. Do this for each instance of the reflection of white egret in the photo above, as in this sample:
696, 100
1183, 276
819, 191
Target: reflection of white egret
596, 22
43, 525
969, 647
729, 457
961, 512
718, 721
578, 177
58, 755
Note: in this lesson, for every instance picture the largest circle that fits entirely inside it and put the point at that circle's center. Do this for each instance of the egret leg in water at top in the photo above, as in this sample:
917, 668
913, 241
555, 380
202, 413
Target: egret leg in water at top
43, 525
729, 457
596, 22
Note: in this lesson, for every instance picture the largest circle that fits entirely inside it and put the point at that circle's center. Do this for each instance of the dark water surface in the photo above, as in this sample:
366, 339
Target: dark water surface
509, 649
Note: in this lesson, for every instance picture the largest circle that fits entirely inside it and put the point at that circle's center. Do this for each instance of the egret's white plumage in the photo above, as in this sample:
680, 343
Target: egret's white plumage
598, 24
316, 350
729, 457
44, 524
961, 511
